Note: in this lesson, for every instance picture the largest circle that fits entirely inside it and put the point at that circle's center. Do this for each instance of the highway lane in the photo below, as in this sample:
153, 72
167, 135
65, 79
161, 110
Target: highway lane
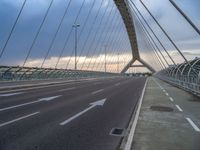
39, 126
31, 99
31, 94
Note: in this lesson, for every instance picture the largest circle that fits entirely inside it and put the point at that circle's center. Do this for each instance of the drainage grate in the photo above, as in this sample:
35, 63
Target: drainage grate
161, 108
117, 132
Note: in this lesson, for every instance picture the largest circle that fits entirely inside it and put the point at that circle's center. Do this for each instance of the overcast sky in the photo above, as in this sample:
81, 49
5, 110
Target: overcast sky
27, 26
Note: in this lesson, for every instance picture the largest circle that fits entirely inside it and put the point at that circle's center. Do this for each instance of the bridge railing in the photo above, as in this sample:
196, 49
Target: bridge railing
13, 73
185, 76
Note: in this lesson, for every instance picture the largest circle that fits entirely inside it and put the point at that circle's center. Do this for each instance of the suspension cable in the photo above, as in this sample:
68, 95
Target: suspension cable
13, 28
37, 34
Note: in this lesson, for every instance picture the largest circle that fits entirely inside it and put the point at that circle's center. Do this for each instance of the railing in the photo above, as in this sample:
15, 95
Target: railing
185, 76
29, 73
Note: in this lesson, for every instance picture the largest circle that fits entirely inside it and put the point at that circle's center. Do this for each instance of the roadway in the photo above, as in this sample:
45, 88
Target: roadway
75, 115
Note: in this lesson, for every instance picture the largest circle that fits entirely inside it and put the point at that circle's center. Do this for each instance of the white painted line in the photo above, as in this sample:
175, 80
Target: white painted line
28, 103
193, 124
49, 98
67, 89
166, 94
95, 92
131, 134
179, 108
43, 86
10, 94
171, 99
117, 84
94, 104
23, 117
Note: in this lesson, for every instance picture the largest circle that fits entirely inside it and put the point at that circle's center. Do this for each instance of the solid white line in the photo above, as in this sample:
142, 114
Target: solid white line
23, 117
171, 99
193, 124
95, 92
44, 86
67, 89
179, 108
28, 103
10, 94
131, 134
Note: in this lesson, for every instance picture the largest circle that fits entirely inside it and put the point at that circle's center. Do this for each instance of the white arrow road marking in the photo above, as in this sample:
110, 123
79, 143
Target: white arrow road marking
94, 104
10, 94
23, 117
28, 103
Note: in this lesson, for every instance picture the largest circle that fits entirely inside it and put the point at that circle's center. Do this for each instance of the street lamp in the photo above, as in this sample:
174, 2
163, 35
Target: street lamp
76, 42
118, 62
105, 58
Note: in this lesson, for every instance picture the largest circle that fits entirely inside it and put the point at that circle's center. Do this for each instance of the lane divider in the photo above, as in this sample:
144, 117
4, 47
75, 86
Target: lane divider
28, 103
18, 119
98, 91
193, 124
10, 94
179, 108
171, 99
195, 127
132, 131
67, 89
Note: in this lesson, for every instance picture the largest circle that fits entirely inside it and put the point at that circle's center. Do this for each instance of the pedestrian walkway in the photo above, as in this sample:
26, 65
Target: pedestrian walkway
169, 119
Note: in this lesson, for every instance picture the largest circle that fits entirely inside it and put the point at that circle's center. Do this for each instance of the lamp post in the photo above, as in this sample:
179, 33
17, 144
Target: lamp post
118, 62
105, 57
75, 26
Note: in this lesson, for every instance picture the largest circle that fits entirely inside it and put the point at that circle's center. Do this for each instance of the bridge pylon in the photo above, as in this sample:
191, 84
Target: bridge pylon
128, 19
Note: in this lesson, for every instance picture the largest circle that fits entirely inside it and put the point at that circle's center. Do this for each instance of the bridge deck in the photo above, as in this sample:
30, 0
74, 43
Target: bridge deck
167, 130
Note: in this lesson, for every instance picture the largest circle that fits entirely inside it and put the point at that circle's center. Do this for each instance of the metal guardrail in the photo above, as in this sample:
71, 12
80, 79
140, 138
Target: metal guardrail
8, 73
185, 76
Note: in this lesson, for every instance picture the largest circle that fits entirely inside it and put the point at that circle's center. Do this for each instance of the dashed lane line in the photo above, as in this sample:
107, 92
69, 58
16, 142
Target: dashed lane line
18, 119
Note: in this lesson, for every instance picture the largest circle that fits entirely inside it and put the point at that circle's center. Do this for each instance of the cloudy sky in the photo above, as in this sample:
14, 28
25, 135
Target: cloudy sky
107, 32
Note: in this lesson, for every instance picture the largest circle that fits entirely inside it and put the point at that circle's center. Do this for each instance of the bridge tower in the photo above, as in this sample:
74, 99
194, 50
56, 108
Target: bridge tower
129, 24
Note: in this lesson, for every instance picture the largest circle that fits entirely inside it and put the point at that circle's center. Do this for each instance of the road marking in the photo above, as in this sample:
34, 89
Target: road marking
28, 103
171, 99
193, 124
10, 94
117, 84
20, 118
131, 134
179, 108
166, 94
94, 104
49, 98
67, 89
95, 92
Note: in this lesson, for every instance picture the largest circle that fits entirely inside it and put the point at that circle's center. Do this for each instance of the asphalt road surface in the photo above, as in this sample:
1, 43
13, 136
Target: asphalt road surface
68, 116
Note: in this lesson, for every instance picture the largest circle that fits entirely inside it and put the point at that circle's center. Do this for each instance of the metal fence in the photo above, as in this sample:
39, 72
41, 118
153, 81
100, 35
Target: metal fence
29, 73
185, 76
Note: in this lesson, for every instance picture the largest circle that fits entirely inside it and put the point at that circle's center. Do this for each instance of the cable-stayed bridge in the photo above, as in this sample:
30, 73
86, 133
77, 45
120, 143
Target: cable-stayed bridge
67, 72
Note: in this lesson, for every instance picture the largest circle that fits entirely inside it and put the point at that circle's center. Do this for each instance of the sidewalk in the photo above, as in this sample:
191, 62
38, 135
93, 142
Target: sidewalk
174, 126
